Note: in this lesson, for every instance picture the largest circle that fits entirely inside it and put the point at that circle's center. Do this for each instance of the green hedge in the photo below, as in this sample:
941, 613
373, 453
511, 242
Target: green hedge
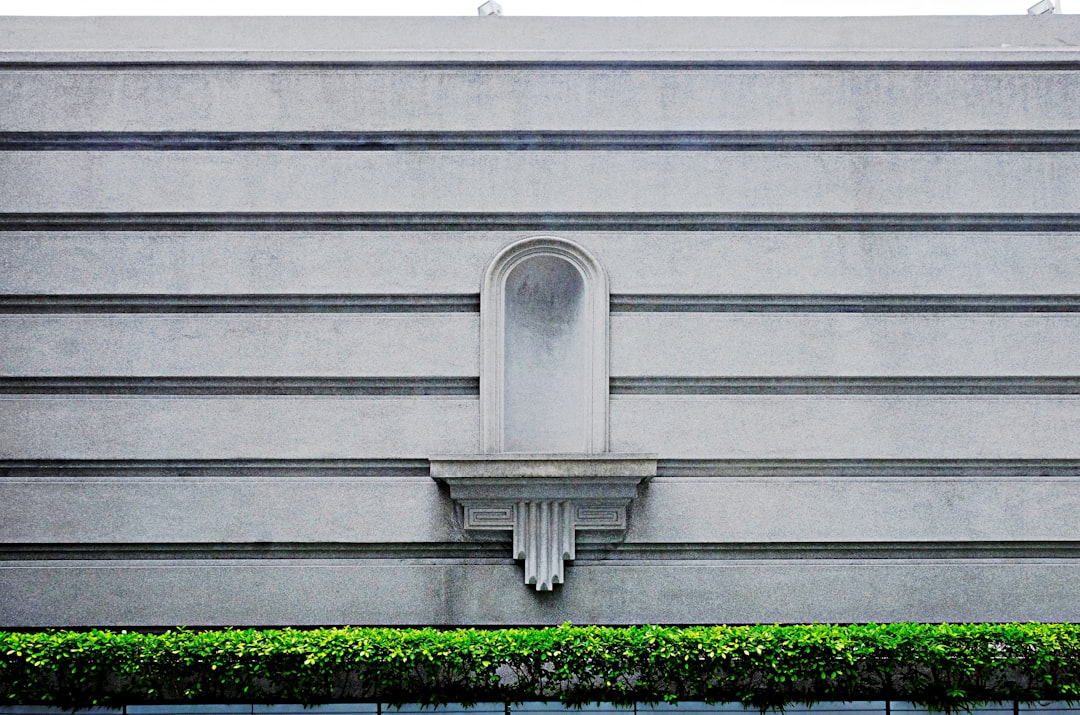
941, 666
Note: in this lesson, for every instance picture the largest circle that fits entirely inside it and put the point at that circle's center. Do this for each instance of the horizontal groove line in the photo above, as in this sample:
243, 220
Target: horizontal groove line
626, 303
921, 141
255, 386
470, 386
211, 468
539, 221
867, 468
470, 303
598, 65
711, 468
835, 550
500, 550
256, 550
250, 303
845, 385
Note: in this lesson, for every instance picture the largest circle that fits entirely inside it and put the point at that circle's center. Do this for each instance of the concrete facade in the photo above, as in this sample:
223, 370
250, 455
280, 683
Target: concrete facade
828, 317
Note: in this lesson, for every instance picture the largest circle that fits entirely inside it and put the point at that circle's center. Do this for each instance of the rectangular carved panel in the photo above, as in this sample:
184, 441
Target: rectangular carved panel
491, 516
600, 516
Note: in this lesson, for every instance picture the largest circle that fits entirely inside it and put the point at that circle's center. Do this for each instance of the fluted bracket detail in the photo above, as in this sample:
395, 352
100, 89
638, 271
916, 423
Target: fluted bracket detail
543, 500
545, 531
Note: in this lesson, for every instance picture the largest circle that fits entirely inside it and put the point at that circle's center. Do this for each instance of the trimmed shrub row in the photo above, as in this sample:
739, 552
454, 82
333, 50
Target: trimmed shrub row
945, 667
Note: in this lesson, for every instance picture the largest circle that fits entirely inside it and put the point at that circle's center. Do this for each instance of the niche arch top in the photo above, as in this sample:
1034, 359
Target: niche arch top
544, 350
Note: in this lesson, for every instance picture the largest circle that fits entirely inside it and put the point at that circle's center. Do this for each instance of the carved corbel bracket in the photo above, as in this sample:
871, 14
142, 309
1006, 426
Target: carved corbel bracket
544, 499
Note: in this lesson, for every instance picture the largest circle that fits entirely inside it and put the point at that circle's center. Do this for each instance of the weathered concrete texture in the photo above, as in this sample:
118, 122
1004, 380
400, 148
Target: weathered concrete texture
873, 345
543, 360
663, 262
643, 181
708, 344
132, 510
859, 509
848, 426
303, 592
538, 99
240, 345
934, 240
688, 426
227, 427
682, 512
372, 39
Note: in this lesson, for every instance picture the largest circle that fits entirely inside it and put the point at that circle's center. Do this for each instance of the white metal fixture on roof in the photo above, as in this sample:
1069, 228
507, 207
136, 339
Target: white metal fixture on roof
493, 8
1043, 7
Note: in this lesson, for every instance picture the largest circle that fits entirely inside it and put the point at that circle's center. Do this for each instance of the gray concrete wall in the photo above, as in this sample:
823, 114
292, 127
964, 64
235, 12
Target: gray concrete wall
582, 181
239, 310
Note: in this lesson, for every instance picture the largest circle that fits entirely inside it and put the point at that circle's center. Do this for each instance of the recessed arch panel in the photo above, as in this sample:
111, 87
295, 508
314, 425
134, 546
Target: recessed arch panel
544, 354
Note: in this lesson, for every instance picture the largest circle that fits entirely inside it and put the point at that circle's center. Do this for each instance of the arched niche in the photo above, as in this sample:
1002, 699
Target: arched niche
544, 471
544, 350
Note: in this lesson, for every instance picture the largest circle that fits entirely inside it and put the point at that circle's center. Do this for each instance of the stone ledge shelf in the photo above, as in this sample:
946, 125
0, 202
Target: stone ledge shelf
544, 499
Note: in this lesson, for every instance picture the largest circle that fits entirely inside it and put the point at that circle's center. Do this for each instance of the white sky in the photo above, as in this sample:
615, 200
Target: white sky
522, 7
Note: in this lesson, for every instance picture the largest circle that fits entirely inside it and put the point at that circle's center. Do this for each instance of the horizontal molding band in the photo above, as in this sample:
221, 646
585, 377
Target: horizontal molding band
677, 468
499, 551
844, 303
136, 65
945, 141
868, 468
834, 550
470, 303
540, 221
211, 468
240, 385
271, 386
845, 385
251, 303
259, 550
